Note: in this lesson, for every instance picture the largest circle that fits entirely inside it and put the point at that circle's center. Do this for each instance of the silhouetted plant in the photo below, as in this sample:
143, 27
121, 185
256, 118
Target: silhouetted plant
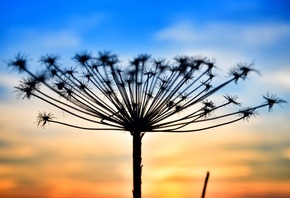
149, 95
204, 186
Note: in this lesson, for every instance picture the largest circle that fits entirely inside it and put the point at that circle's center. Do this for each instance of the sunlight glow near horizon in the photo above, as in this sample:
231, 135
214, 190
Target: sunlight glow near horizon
246, 159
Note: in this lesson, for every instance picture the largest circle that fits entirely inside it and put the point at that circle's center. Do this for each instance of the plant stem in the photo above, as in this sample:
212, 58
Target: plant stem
137, 167
204, 187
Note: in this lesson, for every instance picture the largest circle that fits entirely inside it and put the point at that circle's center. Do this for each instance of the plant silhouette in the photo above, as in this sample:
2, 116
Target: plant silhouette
148, 96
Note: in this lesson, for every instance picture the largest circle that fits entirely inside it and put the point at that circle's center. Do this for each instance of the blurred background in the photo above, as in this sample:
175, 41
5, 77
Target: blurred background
245, 159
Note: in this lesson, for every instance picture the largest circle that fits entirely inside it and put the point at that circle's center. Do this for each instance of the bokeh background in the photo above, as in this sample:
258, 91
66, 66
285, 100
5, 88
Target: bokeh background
246, 159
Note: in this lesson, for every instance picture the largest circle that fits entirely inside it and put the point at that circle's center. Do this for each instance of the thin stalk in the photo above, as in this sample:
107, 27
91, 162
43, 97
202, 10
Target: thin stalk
205, 184
137, 166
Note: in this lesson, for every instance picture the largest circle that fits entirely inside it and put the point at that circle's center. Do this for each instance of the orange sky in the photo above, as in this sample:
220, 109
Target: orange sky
245, 159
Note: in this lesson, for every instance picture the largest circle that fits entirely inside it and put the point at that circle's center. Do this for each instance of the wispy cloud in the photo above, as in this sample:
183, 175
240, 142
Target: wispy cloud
255, 35
35, 41
61, 39
281, 77
52, 39
85, 22
66, 36
179, 32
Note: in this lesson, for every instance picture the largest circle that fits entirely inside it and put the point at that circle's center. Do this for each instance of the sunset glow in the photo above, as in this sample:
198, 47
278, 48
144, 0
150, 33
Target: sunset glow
246, 159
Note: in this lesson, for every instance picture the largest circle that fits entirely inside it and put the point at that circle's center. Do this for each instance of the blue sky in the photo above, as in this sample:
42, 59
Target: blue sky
134, 26
228, 31
249, 155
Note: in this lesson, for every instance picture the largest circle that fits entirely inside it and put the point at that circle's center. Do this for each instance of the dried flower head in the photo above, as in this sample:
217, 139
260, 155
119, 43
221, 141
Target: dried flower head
19, 63
44, 118
27, 88
247, 113
272, 99
149, 95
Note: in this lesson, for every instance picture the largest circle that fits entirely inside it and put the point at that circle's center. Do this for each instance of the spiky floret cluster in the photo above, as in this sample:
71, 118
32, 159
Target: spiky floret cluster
149, 95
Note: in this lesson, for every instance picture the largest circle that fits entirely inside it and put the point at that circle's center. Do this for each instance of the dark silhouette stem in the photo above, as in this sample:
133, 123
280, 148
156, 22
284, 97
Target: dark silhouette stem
205, 184
137, 166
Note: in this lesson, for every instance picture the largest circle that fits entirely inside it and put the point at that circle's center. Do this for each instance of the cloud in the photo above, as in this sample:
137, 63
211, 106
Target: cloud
6, 86
266, 34
85, 23
286, 153
59, 39
281, 79
41, 41
255, 35
51, 39
179, 32
3, 92
62, 36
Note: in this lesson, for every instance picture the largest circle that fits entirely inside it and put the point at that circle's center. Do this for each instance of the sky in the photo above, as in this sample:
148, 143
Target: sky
245, 159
